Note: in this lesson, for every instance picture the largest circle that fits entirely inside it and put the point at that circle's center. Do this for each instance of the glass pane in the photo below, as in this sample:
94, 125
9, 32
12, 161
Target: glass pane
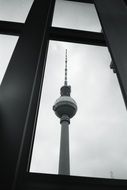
7, 45
98, 130
15, 10
75, 15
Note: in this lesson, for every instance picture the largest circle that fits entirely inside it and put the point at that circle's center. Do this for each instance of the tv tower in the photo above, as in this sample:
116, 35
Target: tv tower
65, 108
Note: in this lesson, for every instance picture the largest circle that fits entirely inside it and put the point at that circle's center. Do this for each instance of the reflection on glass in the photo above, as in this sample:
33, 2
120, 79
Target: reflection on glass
7, 45
98, 130
15, 10
75, 15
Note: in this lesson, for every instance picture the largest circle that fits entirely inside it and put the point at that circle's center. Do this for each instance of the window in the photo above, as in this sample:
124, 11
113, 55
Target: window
7, 45
19, 112
98, 130
15, 11
76, 15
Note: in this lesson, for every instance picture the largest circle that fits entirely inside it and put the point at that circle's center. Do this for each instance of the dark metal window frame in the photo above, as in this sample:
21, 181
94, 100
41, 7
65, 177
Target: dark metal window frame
125, 2
47, 181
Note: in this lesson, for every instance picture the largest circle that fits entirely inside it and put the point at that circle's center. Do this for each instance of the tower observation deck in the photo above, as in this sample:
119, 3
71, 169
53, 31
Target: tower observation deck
65, 108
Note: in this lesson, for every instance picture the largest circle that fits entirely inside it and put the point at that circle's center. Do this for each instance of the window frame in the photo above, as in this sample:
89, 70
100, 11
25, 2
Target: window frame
32, 180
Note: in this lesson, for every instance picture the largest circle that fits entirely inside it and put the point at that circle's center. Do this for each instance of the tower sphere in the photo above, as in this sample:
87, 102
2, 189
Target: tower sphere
65, 105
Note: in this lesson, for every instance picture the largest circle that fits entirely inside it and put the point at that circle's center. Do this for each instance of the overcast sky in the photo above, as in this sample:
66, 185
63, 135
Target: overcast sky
81, 16
98, 131
14, 10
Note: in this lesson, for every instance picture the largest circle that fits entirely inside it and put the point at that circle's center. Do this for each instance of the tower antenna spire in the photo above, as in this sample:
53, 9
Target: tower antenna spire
65, 81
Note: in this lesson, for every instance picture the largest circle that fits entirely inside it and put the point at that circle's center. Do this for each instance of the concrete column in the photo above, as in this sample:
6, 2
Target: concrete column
64, 159
113, 17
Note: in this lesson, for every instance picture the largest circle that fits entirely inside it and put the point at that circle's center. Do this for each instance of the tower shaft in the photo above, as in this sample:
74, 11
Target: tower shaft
64, 159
